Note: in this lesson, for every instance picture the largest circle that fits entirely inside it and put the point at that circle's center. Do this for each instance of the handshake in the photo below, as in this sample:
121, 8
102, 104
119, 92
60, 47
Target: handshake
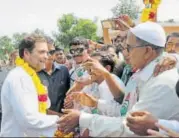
69, 119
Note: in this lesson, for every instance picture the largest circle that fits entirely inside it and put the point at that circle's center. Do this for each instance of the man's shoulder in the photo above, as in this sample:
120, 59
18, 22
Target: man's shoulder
16, 73
169, 77
64, 68
169, 74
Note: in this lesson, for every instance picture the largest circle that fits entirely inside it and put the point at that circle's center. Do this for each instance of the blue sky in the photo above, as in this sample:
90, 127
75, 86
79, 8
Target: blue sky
26, 15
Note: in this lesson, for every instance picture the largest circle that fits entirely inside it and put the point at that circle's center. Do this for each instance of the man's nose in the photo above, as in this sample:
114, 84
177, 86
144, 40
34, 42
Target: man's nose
46, 56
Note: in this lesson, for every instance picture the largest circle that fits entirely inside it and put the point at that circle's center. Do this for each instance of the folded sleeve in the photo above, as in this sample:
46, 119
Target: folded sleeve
102, 126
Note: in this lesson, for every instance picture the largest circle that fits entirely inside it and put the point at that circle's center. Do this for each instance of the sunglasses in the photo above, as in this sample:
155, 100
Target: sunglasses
77, 51
51, 52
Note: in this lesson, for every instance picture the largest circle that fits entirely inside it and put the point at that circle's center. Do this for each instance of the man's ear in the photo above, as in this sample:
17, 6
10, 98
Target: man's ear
148, 52
26, 53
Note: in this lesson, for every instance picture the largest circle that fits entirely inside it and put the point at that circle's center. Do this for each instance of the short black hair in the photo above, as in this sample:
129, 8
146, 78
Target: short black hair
174, 34
28, 43
58, 49
107, 59
106, 47
79, 41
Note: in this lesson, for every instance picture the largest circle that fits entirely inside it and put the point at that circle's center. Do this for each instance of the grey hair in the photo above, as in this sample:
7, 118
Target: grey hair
158, 49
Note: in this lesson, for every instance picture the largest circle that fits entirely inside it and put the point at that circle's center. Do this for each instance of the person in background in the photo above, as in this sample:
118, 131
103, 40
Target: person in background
69, 61
56, 78
60, 56
119, 64
106, 85
172, 44
12, 58
79, 50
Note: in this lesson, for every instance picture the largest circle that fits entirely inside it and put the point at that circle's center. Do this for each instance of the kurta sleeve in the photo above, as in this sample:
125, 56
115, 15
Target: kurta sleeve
102, 126
171, 124
109, 108
24, 102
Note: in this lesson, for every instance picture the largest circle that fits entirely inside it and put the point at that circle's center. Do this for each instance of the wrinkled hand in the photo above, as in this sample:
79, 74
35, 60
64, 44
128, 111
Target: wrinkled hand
140, 122
169, 133
83, 83
166, 63
95, 68
124, 22
68, 102
84, 99
78, 86
69, 121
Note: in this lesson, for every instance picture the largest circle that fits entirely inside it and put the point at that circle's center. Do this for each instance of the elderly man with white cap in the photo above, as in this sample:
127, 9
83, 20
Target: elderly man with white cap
145, 44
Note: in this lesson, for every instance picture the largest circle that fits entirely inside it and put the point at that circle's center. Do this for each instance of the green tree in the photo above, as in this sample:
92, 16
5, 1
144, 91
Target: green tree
128, 7
70, 26
16, 38
6, 46
39, 31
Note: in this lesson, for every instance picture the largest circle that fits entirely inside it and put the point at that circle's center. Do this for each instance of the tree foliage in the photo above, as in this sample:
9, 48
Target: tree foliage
128, 7
17, 38
70, 26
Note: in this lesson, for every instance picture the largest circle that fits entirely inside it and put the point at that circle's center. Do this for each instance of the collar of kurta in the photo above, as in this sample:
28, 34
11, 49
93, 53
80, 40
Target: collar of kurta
147, 72
54, 66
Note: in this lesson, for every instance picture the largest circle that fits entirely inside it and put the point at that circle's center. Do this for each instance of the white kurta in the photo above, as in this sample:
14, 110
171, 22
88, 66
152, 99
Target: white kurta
20, 109
105, 92
156, 95
171, 124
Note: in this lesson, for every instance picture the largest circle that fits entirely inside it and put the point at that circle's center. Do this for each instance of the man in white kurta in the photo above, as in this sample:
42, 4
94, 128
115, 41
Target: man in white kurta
20, 110
155, 94
19, 98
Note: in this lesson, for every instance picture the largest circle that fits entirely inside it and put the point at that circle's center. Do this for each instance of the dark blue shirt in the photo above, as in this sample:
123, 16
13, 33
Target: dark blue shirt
58, 84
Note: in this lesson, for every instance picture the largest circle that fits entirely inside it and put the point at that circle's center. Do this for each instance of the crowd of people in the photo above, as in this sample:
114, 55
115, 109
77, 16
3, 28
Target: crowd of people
127, 88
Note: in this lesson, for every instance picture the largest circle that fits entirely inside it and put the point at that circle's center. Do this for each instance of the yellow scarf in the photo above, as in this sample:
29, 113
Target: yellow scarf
41, 91
40, 88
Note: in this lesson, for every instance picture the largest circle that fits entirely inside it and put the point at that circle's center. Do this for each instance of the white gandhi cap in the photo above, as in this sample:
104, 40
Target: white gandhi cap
150, 32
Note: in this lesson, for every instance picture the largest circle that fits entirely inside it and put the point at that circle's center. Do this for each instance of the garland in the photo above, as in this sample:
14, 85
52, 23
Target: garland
149, 13
41, 91
40, 88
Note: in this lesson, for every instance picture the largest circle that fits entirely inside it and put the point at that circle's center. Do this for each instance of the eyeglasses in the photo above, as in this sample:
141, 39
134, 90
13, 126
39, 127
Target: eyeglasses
129, 48
77, 51
51, 52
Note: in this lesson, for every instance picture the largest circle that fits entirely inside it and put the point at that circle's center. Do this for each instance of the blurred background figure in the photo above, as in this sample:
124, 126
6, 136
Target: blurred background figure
69, 61
55, 77
60, 56
172, 44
